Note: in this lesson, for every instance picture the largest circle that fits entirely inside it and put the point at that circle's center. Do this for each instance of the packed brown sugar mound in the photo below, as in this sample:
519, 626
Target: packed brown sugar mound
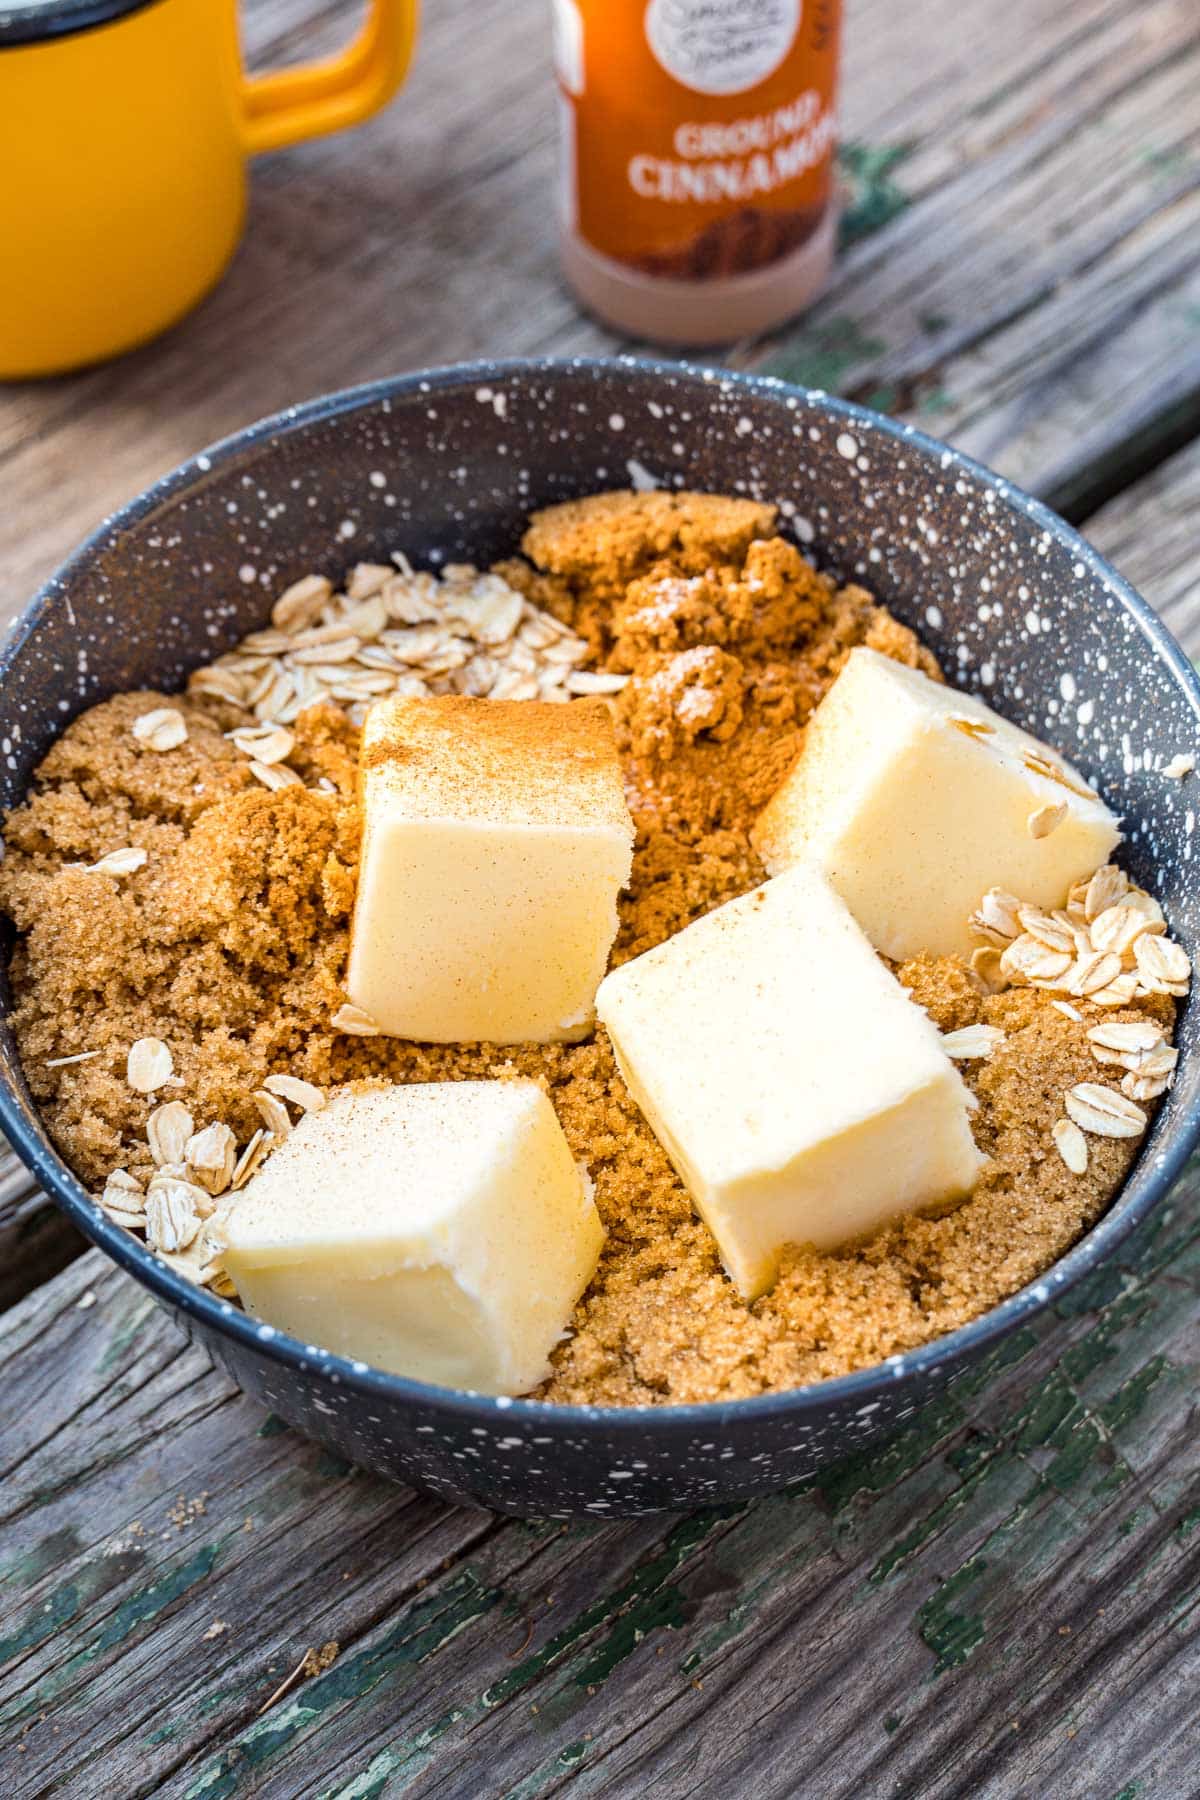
716, 639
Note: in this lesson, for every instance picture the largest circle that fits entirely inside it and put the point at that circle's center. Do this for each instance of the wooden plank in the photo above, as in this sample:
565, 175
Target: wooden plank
1003, 1601
1039, 305
986, 308
1150, 533
35, 1239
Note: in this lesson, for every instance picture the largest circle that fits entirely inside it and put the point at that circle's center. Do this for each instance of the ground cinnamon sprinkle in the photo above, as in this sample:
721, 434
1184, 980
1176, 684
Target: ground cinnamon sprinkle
230, 943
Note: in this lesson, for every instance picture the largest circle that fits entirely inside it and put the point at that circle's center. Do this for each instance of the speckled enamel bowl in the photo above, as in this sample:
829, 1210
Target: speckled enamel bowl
1015, 604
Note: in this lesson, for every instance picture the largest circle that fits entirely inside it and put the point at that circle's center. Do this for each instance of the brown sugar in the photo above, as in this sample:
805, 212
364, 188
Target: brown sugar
230, 944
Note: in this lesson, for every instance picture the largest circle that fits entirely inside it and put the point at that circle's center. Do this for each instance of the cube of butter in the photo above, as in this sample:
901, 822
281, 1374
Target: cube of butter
495, 842
801, 1095
441, 1231
915, 799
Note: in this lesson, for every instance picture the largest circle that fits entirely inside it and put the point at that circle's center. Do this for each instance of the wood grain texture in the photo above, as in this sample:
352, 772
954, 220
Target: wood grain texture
35, 1240
1152, 534
1025, 275
1001, 1602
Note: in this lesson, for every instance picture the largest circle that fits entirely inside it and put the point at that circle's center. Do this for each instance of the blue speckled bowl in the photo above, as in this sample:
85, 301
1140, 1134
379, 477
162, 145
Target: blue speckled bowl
1015, 604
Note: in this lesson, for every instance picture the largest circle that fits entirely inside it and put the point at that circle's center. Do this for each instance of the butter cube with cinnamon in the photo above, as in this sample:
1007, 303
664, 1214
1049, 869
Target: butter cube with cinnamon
801, 1095
915, 799
441, 1231
496, 839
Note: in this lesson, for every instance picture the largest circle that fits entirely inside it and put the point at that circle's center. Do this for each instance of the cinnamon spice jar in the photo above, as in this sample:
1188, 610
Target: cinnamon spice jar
697, 192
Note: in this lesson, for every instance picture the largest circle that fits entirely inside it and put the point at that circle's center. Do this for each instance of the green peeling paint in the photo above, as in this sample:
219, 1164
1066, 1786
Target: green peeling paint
1101, 1344
426, 1627
372, 1782
545, 1778
880, 1466
50, 1616
411, 1756
1131, 1396
72, 1600
873, 199
950, 1633
648, 1599
1051, 1412
139, 1609
333, 1468
996, 1469
272, 1425
826, 354
934, 402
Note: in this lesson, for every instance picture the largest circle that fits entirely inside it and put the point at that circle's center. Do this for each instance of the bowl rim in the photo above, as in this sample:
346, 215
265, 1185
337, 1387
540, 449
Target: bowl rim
1143, 1190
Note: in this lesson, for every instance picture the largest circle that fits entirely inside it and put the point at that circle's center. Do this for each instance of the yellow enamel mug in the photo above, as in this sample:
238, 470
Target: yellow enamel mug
124, 131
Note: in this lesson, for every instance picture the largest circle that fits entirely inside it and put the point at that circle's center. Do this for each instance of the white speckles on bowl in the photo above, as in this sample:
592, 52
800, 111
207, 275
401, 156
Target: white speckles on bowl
446, 465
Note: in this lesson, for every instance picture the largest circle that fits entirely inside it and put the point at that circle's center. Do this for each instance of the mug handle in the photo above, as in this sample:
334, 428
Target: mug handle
290, 104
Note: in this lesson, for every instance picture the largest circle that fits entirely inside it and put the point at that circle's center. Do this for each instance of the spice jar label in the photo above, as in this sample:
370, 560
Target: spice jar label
721, 46
699, 133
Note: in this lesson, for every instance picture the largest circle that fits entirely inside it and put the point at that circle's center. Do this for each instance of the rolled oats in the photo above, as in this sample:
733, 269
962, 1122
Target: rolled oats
972, 1041
119, 862
1118, 993
1071, 1145
1140, 1086
1028, 961
130, 1221
149, 1065
996, 918
987, 970
167, 1131
162, 729
1147, 906
274, 1114
211, 1156
301, 1093
366, 579
403, 634
354, 1021
1104, 1112
172, 1220
265, 743
251, 1156
329, 654
588, 681
301, 603
1055, 933
275, 775
1118, 928
1045, 819
124, 1193
1104, 889
1123, 1036
1163, 966
1093, 972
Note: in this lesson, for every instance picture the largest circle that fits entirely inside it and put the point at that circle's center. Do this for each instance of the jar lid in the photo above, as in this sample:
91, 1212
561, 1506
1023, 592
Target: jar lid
37, 21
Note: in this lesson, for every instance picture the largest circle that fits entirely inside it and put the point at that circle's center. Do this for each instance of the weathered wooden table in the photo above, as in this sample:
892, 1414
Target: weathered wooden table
1005, 1601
